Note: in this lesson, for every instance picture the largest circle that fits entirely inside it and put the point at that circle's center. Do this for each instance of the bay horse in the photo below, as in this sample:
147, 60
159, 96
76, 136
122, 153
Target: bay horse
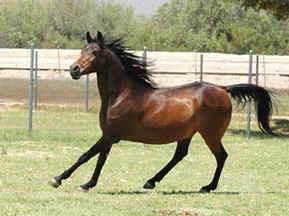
133, 108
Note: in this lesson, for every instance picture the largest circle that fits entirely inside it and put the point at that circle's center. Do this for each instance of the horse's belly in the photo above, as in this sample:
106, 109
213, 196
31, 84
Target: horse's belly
165, 122
159, 136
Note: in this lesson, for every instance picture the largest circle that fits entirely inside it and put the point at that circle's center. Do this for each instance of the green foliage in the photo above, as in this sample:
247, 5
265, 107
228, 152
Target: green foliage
218, 26
279, 8
22, 22
179, 25
60, 23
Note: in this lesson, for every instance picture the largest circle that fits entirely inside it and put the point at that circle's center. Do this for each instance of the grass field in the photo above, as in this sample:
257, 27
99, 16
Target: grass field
255, 180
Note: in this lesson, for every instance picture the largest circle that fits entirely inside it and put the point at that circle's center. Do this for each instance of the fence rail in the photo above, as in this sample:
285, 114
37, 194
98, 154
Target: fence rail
54, 84
169, 68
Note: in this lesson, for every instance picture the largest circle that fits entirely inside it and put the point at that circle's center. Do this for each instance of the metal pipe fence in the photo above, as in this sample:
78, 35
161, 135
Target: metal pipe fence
55, 88
31, 85
249, 102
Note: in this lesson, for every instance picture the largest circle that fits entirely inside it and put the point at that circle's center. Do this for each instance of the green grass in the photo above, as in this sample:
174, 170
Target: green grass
255, 180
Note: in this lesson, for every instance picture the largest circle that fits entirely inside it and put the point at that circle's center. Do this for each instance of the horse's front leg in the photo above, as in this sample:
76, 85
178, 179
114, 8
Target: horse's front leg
95, 149
101, 160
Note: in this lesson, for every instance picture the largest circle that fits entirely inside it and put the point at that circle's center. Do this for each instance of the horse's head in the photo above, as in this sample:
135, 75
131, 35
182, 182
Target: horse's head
92, 57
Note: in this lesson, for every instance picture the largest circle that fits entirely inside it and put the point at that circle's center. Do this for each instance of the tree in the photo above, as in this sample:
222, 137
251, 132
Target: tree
178, 25
21, 22
62, 23
217, 26
279, 8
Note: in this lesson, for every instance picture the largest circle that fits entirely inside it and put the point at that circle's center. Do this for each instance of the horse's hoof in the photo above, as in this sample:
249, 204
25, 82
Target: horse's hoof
84, 188
202, 190
54, 183
149, 185
205, 190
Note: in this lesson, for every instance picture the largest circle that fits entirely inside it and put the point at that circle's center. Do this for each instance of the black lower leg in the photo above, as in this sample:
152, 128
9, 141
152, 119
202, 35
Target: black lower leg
220, 164
82, 159
180, 153
101, 160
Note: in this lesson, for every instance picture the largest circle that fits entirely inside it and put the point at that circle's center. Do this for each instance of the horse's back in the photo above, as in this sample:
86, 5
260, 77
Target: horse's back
208, 95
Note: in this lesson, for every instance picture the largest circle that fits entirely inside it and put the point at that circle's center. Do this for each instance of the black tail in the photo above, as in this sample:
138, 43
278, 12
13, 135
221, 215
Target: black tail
263, 102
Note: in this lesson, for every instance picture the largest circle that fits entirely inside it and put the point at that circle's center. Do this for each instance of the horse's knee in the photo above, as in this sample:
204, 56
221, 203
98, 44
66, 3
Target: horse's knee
84, 158
184, 154
224, 153
181, 156
222, 156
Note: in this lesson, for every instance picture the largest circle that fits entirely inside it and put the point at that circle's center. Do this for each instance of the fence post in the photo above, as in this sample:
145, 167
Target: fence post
144, 56
35, 80
196, 66
257, 70
31, 89
86, 92
249, 102
264, 70
58, 57
144, 59
201, 68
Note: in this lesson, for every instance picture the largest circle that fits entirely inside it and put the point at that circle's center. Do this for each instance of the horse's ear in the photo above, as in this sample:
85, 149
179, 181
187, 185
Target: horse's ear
100, 39
88, 37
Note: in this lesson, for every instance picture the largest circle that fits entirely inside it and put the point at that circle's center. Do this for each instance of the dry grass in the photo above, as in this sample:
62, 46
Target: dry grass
69, 93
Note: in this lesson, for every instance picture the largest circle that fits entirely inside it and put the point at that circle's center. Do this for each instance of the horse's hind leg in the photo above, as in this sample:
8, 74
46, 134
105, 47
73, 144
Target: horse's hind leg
180, 152
220, 154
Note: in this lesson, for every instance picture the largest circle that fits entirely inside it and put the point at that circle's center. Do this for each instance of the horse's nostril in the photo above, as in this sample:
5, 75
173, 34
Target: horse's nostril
76, 69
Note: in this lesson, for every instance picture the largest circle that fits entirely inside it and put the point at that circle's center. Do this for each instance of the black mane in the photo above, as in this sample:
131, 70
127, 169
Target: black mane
135, 67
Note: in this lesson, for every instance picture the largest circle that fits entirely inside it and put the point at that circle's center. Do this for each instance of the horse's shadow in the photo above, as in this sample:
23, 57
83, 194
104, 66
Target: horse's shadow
197, 192
125, 192
140, 192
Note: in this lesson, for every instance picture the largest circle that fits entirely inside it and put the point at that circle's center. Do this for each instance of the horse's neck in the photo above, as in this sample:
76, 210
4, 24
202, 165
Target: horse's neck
102, 86
111, 83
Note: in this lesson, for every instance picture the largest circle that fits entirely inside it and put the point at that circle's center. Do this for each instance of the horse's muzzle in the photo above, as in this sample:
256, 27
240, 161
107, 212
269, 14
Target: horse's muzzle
75, 72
